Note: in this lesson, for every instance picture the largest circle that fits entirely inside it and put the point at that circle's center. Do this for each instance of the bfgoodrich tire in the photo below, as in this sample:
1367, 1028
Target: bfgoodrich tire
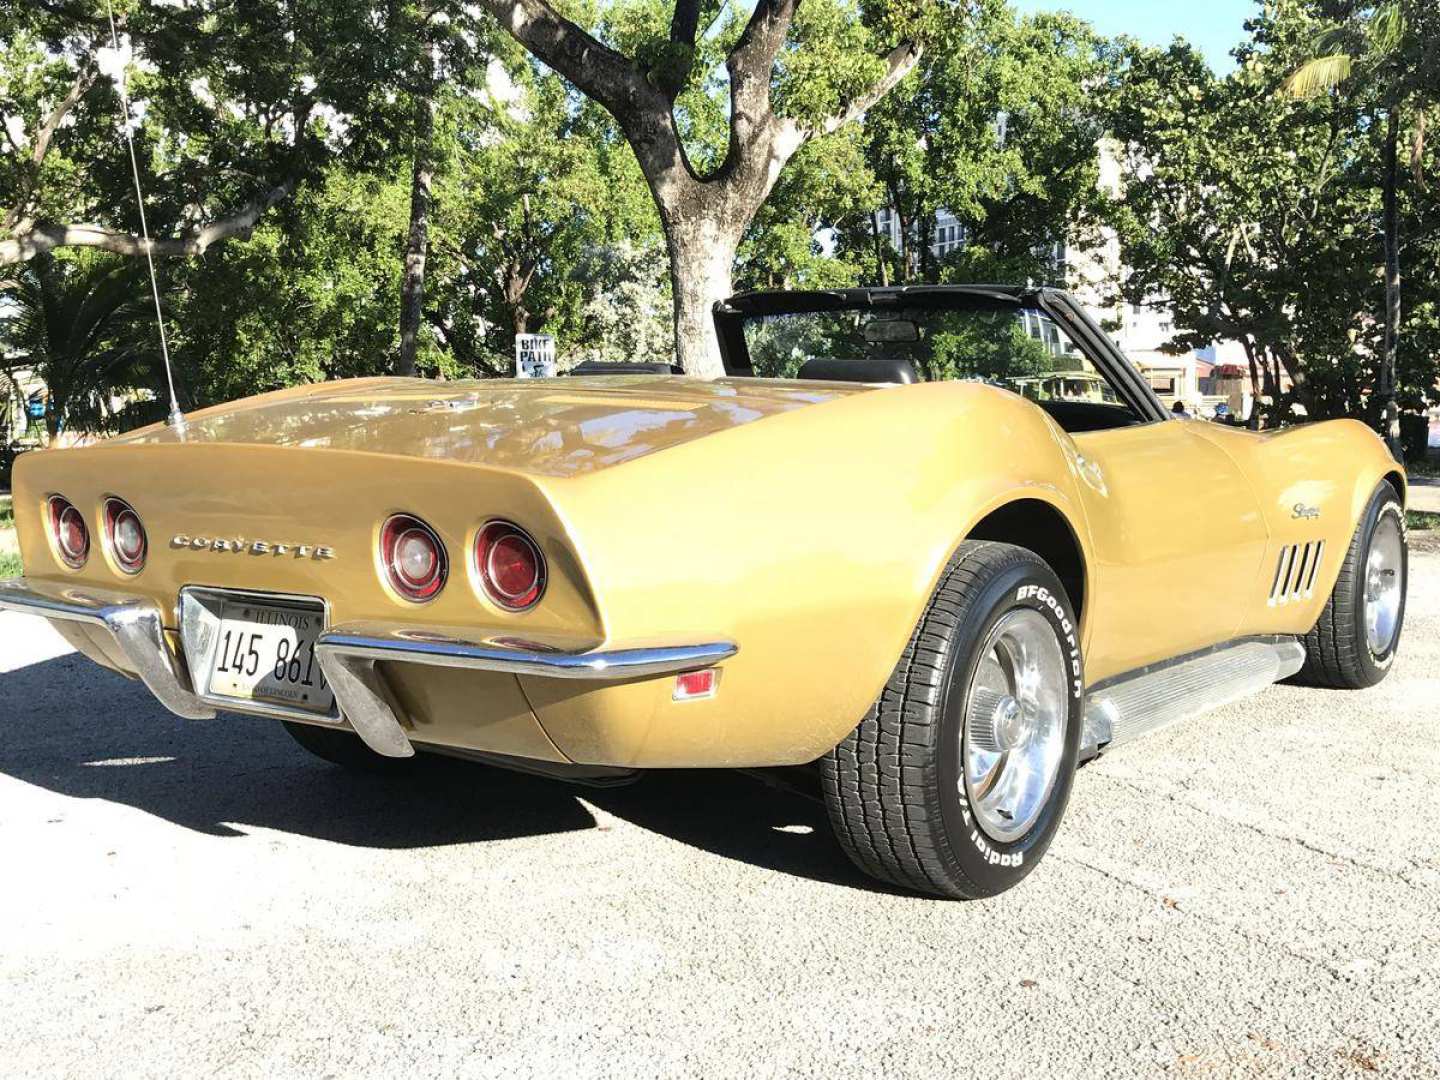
955, 781
1353, 644
344, 748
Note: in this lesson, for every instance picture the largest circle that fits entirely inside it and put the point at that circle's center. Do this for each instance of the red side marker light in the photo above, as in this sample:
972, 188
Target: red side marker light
696, 684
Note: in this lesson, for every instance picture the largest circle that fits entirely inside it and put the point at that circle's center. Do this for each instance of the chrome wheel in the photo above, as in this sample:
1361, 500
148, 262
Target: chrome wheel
1014, 731
1384, 584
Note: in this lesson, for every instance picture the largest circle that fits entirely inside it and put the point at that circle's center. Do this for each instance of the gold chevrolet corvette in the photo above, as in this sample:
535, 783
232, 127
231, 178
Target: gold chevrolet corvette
942, 544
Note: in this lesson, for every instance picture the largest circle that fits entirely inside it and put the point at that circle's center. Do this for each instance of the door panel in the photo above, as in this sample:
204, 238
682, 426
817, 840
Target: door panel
1178, 539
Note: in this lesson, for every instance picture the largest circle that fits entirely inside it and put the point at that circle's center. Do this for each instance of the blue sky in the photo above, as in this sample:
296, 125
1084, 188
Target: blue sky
1214, 26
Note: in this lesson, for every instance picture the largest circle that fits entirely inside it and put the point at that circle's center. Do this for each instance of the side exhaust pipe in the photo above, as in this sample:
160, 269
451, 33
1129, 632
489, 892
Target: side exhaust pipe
1122, 709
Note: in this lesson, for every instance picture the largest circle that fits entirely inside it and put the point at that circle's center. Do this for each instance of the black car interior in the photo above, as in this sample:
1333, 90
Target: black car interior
624, 367
1072, 416
870, 370
1078, 416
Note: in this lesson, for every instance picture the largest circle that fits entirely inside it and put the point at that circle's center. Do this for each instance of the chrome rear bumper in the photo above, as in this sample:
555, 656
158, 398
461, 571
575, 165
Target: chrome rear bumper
348, 655
135, 628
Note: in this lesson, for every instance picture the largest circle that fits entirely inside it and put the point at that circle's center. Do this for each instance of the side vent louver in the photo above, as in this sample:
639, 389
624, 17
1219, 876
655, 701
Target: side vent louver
1296, 572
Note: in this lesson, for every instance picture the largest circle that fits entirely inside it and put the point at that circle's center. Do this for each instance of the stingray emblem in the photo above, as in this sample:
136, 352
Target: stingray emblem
1300, 510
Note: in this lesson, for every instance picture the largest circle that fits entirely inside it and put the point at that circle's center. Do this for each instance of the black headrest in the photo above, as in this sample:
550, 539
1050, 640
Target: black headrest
893, 370
623, 367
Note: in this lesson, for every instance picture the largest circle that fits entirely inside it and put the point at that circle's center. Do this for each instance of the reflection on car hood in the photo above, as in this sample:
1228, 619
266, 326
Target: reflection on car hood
554, 427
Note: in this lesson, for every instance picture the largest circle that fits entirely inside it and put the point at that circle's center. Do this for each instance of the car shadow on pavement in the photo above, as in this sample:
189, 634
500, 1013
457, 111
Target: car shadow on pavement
732, 814
74, 729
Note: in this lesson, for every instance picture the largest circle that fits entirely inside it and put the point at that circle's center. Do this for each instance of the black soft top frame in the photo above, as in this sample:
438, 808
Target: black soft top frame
730, 316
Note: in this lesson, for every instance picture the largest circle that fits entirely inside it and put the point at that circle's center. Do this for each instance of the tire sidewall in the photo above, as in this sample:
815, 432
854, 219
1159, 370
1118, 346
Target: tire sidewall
993, 865
1383, 503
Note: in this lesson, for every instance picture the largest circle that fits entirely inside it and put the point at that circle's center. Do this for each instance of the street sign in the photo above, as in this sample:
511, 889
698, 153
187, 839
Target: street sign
534, 356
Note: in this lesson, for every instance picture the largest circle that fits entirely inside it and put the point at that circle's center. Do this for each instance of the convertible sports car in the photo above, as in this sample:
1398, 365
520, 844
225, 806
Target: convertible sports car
940, 544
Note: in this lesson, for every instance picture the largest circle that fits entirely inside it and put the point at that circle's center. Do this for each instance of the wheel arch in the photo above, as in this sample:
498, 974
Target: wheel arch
1396, 479
1043, 528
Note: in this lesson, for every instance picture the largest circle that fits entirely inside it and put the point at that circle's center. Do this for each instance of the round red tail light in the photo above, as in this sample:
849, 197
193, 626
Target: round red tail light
413, 558
509, 565
126, 536
68, 532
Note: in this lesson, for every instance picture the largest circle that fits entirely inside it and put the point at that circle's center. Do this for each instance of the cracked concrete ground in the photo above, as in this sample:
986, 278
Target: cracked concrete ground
1253, 893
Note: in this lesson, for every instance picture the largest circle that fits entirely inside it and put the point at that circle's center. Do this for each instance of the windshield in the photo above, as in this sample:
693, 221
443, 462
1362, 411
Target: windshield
1022, 349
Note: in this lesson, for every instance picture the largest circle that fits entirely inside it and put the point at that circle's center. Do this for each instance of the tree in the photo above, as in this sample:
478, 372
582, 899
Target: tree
541, 211
242, 104
1392, 48
998, 128
82, 324
426, 80
827, 190
311, 295
1251, 216
445, 48
832, 70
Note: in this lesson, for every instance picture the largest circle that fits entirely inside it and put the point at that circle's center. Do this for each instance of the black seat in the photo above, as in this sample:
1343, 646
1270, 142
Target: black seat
1080, 416
624, 367
894, 370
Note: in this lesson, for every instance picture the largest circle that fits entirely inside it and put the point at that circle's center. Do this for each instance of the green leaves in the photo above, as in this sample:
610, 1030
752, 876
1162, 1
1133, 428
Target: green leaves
831, 58
997, 127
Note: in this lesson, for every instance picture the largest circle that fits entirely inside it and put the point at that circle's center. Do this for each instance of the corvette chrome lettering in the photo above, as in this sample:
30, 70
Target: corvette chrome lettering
239, 545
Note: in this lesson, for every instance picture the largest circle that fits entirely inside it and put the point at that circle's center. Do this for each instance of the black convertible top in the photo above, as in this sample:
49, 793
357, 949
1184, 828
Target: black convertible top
789, 301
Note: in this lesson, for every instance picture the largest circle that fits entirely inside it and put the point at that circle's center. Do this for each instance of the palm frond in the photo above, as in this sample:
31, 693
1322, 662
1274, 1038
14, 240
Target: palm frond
81, 324
1319, 75
1340, 38
1386, 29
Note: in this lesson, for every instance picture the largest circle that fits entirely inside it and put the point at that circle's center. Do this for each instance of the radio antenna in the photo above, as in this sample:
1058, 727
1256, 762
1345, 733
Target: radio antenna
177, 418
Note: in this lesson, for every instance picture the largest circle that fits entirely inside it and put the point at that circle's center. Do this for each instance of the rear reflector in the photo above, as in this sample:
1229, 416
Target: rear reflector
696, 684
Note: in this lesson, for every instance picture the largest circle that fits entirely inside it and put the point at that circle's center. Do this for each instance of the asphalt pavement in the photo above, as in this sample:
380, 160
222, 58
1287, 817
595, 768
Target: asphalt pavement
1255, 893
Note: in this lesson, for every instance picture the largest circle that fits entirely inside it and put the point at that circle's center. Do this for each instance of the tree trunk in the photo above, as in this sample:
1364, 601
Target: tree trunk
1253, 420
54, 416
516, 287
903, 271
1282, 358
702, 255
1389, 410
703, 218
882, 265
412, 284
926, 240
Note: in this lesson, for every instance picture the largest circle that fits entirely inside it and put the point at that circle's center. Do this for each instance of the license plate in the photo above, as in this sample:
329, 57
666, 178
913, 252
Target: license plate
266, 653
